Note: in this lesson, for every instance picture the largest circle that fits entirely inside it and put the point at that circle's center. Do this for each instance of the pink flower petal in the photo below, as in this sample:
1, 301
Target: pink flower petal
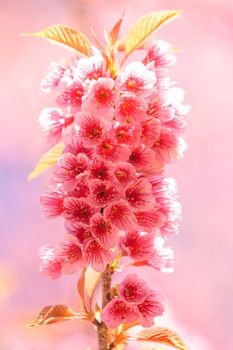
133, 289
121, 216
117, 312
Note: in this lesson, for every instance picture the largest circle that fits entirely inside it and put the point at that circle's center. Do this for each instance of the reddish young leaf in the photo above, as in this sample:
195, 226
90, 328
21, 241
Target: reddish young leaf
114, 33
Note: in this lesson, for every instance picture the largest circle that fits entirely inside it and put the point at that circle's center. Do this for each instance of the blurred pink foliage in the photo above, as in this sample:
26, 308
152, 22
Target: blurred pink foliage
202, 256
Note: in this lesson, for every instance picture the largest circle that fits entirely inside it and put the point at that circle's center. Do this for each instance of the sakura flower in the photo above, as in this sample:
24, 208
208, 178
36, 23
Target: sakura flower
151, 307
70, 253
103, 232
120, 215
50, 265
138, 194
81, 188
90, 129
79, 231
53, 76
75, 146
128, 134
100, 98
133, 289
53, 122
150, 220
124, 172
97, 256
101, 170
71, 92
162, 54
138, 246
90, 68
103, 192
164, 256
77, 209
150, 131
52, 201
165, 147
137, 79
130, 108
144, 160
118, 311
108, 149
69, 167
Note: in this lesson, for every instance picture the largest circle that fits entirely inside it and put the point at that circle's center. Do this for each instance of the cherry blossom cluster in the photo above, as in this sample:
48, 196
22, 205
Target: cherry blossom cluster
109, 184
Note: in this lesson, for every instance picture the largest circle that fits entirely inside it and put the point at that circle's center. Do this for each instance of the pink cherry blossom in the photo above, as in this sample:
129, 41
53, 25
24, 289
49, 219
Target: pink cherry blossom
144, 160
70, 253
120, 215
96, 255
130, 108
78, 210
75, 146
50, 265
133, 289
100, 98
103, 192
71, 92
124, 172
162, 54
79, 231
52, 202
52, 78
164, 256
138, 194
90, 129
150, 131
165, 146
138, 245
69, 167
53, 122
118, 311
103, 232
90, 68
136, 79
101, 170
150, 308
128, 134
109, 149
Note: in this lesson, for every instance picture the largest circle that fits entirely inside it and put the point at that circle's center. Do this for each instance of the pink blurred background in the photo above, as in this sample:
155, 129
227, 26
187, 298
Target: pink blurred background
199, 294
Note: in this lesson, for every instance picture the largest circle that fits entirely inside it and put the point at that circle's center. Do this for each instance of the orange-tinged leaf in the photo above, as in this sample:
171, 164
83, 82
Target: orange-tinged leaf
160, 335
47, 160
68, 36
146, 25
114, 33
91, 281
53, 314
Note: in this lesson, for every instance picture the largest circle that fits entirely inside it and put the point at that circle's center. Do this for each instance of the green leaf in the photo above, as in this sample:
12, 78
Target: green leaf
47, 160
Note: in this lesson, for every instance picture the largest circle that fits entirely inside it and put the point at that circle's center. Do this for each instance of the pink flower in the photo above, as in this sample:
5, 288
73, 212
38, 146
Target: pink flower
130, 108
124, 172
165, 146
164, 256
69, 167
120, 215
72, 92
138, 246
130, 135
70, 253
97, 256
81, 188
150, 131
52, 201
137, 79
151, 307
117, 311
133, 289
78, 210
144, 160
103, 192
162, 54
52, 78
53, 122
75, 146
90, 129
50, 265
108, 149
100, 98
90, 68
150, 220
101, 170
79, 231
103, 232
138, 194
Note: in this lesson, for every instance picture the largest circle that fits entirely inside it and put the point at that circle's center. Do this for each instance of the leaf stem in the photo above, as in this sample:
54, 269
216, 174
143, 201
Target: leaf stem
106, 297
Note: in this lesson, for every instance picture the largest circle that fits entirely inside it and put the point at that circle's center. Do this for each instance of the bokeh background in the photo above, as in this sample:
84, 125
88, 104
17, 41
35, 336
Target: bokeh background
199, 294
